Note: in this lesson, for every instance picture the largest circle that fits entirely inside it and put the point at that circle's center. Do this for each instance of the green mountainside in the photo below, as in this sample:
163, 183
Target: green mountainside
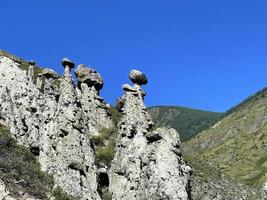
236, 146
188, 122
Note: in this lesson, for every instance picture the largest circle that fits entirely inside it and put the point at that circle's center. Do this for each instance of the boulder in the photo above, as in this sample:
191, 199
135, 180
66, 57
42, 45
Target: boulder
89, 76
138, 77
32, 62
49, 73
67, 62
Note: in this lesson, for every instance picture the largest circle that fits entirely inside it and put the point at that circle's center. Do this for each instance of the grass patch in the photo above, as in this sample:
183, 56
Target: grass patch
20, 170
107, 196
238, 144
115, 115
59, 194
104, 145
105, 142
36, 69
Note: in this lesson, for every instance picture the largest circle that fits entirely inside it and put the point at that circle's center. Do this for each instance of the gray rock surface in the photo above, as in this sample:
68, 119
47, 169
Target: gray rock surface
4, 193
55, 122
67, 63
138, 77
89, 76
49, 73
146, 164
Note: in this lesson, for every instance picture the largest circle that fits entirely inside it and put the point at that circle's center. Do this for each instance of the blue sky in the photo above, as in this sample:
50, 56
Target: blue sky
202, 54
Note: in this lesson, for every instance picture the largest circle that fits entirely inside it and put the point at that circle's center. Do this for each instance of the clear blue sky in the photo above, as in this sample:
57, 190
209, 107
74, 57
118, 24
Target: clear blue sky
207, 54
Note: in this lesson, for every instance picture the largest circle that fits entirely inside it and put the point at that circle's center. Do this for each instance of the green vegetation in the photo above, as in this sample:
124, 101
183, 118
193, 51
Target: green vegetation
20, 170
188, 122
105, 142
115, 115
59, 194
107, 196
24, 65
12, 57
105, 145
237, 145
260, 94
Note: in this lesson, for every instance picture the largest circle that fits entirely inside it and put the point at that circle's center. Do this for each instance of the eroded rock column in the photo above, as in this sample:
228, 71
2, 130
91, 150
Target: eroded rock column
147, 164
70, 157
93, 106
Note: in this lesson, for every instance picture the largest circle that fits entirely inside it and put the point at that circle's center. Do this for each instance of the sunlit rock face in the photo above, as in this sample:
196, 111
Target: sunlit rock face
55, 119
147, 164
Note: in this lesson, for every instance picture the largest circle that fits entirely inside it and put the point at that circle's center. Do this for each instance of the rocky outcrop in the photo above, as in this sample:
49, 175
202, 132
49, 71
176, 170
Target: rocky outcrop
138, 77
66, 152
89, 76
147, 164
93, 106
55, 119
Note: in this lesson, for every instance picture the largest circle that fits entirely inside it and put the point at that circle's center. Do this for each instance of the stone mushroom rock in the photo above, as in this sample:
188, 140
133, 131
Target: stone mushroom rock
32, 62
89, 76
128, 88
67, 62
49, 73
147, 163
138, 77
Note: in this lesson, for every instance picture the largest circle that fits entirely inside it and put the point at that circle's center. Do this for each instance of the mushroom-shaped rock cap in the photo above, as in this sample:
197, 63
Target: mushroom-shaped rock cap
32, 62
138, 77
67, 62
89, 76
49, 73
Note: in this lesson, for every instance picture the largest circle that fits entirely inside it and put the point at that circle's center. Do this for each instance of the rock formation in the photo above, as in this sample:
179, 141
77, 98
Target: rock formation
56, 120
147, 163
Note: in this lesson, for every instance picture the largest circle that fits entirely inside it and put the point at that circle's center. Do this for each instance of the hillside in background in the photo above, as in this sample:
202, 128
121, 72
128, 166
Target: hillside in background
188, 122
236, 146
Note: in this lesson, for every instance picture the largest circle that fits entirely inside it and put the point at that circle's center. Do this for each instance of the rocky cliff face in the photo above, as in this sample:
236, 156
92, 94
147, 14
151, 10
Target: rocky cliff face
56, 120
147, 163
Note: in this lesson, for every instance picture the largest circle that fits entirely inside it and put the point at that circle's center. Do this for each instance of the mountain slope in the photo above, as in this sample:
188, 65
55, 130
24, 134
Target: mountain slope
188, 122
236, 146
